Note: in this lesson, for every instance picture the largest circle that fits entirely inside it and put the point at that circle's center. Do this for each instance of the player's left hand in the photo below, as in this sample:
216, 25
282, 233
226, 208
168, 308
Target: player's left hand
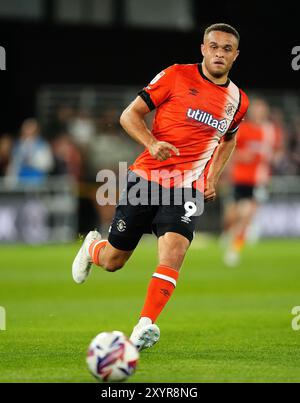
210, 192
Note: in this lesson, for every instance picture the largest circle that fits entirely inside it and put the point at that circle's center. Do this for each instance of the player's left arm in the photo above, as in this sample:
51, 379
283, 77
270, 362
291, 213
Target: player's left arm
224, 150
220, 158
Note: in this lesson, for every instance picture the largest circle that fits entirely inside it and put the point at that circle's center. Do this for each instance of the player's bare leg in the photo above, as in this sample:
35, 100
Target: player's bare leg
245, 209
229, 220
101, 253
172, 248
230, 215
110, 258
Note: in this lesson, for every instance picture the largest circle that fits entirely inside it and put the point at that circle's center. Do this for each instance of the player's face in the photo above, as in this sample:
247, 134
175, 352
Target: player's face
219, 50
259, 111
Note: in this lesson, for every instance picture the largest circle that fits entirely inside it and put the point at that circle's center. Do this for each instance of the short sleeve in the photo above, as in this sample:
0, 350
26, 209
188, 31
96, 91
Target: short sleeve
240, 114
160, 88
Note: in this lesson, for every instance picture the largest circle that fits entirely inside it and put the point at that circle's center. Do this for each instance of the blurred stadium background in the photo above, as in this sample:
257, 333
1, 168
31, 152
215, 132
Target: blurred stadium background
73, 65
71, 68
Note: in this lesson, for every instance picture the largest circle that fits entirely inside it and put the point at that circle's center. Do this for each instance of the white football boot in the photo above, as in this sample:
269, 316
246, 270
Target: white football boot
82, 263
145, 334
231, 258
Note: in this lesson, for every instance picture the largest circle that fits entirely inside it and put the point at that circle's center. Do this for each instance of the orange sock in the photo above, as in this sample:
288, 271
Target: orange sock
159, 292
239, 243
94, 250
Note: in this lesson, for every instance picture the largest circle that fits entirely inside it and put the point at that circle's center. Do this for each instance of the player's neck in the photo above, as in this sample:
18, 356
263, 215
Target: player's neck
219, 81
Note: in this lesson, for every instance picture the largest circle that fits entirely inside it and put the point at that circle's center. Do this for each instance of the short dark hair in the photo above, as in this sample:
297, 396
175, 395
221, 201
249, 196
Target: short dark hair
223, 28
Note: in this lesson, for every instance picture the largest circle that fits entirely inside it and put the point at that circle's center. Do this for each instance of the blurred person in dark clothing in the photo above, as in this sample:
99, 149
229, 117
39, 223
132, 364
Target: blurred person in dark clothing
69, 160
5, 152
32, 158
61, 121
280, 161
294, 153
67, 157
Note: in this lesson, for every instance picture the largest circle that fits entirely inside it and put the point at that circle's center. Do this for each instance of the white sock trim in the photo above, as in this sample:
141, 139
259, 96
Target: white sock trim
167, 278
144, 321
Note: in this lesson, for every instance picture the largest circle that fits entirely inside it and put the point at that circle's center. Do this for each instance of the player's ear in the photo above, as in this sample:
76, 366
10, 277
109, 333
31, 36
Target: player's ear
236, 55
202, 49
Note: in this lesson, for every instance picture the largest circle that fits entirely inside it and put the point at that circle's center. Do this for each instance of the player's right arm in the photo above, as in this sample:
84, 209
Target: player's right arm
133, 118
133, 122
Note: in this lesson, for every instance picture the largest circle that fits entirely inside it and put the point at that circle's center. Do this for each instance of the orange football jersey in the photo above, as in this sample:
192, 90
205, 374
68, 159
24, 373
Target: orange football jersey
193, 114
256, 144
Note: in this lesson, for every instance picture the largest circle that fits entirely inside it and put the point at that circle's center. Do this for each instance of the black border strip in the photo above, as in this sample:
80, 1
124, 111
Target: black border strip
146, 97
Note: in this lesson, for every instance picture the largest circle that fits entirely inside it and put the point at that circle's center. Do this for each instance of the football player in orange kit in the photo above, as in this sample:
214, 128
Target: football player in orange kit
259, 144
198, 112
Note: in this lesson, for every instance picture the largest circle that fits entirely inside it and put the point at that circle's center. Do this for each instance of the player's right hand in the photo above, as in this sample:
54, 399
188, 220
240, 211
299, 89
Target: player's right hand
161, 150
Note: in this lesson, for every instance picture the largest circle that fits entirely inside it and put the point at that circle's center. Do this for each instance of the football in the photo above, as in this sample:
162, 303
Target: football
112, 357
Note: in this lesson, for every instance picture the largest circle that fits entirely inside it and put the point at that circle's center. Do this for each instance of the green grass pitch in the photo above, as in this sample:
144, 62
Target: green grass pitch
221, 325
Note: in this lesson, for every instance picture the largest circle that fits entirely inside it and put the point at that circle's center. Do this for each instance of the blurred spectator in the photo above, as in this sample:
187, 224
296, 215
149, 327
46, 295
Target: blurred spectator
82, 128
5, 151
294, 155
61, 121
111, 144
259, 147
31, 158
108, 121
279, 162
67, 157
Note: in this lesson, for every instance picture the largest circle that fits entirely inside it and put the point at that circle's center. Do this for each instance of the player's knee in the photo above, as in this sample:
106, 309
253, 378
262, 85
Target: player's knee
245, 208
173, 253
113, 265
